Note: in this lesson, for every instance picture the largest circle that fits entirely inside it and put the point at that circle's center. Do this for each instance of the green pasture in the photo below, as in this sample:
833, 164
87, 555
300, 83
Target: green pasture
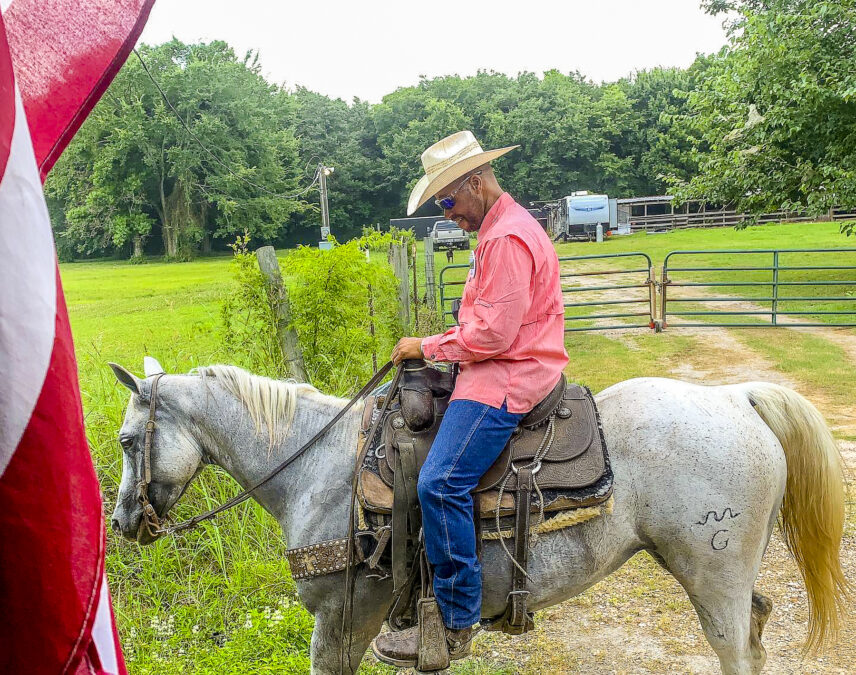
220, 599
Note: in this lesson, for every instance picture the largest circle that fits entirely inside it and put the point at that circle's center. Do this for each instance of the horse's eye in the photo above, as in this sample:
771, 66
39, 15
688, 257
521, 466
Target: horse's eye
126, 442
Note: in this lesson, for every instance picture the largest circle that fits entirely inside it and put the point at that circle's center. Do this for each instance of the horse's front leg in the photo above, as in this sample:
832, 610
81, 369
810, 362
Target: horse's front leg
371, 602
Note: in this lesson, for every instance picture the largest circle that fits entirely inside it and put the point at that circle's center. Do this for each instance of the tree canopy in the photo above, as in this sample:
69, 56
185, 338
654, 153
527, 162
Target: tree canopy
776, 111
768, 123
215, 166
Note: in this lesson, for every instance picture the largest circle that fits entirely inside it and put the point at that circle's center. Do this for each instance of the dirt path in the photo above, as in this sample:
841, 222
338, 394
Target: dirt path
720, 358
842, 337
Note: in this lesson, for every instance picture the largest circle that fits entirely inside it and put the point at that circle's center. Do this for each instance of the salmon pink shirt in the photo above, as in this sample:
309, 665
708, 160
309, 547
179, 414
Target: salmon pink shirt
510, 343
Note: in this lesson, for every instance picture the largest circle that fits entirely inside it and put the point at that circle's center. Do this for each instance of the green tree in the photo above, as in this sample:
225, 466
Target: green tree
407, 122
660, 142
217, 165
553, 120
340, 135
777, 109
135, 172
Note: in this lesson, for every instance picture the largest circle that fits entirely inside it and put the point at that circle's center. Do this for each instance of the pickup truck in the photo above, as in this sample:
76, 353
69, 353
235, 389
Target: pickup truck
446, 234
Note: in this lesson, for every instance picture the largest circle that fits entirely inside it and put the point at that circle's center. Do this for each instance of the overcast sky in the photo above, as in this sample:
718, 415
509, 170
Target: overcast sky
368, 49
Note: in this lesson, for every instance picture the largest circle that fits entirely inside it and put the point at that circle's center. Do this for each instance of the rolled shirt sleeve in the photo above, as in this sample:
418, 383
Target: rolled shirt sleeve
499, 304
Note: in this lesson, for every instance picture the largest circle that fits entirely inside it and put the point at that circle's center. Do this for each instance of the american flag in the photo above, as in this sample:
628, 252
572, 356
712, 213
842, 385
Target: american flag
56, 59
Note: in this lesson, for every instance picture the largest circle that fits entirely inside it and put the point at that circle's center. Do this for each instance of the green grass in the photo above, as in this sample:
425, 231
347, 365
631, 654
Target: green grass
220, 599
123, 311
216, 600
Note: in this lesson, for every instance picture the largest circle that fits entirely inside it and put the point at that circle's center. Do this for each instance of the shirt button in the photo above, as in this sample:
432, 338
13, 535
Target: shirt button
433, 356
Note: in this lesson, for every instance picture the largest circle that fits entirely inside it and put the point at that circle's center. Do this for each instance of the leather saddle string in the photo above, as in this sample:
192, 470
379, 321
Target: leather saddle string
243, 496
543, 449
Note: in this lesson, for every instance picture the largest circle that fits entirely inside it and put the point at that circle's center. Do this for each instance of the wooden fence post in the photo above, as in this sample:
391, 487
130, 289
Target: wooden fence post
278, 298
415, 284
398, 260
430, 296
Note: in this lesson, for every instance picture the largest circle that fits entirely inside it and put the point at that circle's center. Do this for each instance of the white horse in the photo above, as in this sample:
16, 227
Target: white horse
701, 474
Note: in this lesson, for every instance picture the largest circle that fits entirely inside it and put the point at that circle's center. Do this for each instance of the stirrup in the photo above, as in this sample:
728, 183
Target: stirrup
516, 619
433, 651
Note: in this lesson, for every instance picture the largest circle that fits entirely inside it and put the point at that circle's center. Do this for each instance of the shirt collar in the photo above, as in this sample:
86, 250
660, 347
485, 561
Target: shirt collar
494, 213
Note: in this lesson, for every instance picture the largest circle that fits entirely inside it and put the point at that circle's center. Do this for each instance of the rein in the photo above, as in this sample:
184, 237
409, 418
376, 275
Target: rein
150, 517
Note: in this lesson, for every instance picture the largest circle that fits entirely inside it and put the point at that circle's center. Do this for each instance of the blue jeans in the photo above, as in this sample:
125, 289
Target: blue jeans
470, 438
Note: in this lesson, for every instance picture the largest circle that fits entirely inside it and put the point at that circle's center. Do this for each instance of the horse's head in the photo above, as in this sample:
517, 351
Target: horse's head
175, 455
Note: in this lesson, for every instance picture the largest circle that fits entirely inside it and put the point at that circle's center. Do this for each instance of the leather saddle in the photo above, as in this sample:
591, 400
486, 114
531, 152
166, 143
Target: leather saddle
572, 471
556, 460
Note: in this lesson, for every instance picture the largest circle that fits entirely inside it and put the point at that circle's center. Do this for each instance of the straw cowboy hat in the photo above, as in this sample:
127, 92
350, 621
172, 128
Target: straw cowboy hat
447, 160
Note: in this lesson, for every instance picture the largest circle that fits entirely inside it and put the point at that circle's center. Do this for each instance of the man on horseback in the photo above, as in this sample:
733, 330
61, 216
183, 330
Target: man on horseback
510, 350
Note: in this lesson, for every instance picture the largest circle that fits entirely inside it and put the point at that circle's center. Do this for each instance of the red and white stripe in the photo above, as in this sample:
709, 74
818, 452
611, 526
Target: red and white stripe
28, 302
54, 599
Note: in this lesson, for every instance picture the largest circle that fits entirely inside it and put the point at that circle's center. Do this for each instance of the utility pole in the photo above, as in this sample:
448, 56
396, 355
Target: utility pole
323, 172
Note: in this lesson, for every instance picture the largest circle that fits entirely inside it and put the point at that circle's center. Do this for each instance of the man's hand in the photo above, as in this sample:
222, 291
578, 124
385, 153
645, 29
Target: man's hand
407, 348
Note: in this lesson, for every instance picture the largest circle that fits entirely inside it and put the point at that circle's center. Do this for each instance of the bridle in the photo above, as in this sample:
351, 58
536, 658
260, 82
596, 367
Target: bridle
150, 516
154, 523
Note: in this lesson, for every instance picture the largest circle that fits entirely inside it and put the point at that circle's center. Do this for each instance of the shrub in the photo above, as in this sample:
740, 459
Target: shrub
374, 239
343, 308
336, 297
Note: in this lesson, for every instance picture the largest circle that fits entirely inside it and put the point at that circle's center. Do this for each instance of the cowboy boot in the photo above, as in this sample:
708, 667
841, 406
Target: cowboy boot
401, 648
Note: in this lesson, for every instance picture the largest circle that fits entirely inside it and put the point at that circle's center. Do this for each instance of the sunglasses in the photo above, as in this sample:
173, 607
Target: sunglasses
448, 202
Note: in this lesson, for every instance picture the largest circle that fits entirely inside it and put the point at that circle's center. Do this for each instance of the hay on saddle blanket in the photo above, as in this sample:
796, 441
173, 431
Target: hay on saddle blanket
559, 521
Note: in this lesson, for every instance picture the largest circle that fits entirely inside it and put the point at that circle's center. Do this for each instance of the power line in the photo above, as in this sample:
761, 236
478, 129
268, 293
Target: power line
209, 152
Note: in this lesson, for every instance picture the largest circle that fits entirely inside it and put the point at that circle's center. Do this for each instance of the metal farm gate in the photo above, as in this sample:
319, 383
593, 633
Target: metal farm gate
742, 288
622, 296
736, 288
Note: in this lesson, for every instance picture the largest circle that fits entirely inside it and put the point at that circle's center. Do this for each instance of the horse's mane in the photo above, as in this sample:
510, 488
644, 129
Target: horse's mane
271, 403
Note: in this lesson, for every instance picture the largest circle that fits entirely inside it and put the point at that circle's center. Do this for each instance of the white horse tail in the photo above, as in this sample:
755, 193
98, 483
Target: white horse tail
813, 506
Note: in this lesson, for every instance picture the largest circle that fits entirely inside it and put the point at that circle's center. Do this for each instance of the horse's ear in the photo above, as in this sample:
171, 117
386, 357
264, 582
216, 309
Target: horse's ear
151, 366
125, 378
